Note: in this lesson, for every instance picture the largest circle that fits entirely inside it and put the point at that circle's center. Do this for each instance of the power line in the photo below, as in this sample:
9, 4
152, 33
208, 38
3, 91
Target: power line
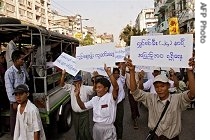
62, 8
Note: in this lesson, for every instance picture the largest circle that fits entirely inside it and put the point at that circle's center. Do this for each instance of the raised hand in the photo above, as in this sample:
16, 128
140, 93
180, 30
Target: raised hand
77, 89
129, 63
192, 63
63, 72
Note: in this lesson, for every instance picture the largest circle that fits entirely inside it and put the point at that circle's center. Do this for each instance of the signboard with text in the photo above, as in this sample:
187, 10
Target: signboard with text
95, 56
162, 51
67, 62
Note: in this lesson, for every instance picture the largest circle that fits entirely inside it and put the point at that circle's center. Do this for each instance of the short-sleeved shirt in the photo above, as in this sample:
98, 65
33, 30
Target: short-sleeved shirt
28, 122
170, 125
14, 77
104, 108
85, 92
121, 92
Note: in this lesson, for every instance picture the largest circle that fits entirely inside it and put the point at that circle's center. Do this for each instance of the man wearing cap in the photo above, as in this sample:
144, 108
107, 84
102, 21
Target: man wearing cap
169, 127
148, 85
80, 117
28, 122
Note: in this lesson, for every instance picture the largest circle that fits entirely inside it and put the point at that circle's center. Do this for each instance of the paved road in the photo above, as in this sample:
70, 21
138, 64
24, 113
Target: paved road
188, 126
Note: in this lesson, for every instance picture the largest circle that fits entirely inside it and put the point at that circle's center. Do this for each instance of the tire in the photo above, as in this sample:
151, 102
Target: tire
66, 118
8, 20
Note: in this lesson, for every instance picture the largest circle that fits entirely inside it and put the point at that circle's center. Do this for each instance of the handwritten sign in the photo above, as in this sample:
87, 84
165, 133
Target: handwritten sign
67, 62
127, 50
95, 56
162, 50
120, 54
144, 68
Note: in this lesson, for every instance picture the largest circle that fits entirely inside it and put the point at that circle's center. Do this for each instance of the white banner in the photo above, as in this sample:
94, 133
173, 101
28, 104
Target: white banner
95, 56
120, 54
162, 50
67, 62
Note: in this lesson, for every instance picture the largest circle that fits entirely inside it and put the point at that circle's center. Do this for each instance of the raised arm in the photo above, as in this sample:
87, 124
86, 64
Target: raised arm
63, 78
174, 78
77, 94
131, 68
141, 78
113, 82
191, 78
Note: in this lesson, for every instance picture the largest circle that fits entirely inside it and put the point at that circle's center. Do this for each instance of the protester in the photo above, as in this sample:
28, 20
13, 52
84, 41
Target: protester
15, 76
119, 75
170, 126
80, 117
28, 122
104, 107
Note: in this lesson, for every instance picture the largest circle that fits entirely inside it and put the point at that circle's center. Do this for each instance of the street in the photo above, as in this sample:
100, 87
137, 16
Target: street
188, 126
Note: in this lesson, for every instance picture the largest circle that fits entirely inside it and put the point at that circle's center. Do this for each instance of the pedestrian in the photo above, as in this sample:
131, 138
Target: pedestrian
169, 127
28, 122
104, 107
14, 76
119, 75
80, 117
11, 47
133, 104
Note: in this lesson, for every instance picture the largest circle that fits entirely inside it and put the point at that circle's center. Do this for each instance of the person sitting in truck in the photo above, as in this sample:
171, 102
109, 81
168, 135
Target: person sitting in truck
80, 117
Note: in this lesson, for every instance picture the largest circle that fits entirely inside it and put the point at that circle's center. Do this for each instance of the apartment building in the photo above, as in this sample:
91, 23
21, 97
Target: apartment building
35, 12
146, 20
104, 38
184, 10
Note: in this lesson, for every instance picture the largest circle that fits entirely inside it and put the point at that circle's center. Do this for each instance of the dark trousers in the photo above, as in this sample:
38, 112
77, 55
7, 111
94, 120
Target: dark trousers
133, 106
82, 125
119, 119
12, 120
165, 138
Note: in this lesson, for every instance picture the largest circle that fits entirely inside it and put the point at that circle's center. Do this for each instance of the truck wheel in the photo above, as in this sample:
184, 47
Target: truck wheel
66, 118
8, 20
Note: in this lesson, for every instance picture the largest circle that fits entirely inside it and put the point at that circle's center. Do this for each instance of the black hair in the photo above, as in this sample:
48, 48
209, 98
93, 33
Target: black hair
17, 55
116, 69
104, 81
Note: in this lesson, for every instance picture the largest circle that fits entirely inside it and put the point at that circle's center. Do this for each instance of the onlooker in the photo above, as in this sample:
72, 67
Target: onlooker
104, 107
11, 46
80, 117
169, 127
15, 76
28, 122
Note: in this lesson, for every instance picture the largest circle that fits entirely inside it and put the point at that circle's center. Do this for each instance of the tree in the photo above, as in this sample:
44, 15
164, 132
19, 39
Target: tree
129, 31
87, 40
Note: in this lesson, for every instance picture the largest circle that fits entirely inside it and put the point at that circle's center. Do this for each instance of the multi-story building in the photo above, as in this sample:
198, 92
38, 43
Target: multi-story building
104, 38
36, 12
146, 20
184, 10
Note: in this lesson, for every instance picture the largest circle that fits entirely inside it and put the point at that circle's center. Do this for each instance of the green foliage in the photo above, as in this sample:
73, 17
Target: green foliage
129, 31
87, 40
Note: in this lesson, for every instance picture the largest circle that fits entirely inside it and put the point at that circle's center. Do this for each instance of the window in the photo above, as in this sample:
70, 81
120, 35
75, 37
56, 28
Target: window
10, 8
22, 12
184, 4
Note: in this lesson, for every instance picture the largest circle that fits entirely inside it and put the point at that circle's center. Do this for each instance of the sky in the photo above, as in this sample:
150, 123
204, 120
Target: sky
109, 16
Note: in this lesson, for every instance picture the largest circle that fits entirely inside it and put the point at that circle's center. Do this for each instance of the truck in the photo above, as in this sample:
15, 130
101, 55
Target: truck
51, 99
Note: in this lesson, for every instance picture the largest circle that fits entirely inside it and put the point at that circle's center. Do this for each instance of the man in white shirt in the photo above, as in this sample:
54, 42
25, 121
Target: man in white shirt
80, 117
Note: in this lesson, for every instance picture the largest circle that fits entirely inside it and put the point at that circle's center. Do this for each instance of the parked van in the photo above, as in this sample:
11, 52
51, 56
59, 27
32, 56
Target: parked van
53, 102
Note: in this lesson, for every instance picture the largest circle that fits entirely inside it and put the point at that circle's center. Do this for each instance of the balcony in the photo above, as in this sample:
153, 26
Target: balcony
163, 26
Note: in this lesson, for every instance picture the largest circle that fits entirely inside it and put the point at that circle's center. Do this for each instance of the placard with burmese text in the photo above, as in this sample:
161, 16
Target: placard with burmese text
162, 50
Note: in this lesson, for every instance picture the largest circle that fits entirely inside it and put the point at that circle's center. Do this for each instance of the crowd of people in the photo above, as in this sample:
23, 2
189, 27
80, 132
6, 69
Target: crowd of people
106, 97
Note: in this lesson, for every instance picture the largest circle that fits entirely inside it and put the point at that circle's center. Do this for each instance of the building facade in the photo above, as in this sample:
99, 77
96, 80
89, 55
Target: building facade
35, 12
183, 10
146, 20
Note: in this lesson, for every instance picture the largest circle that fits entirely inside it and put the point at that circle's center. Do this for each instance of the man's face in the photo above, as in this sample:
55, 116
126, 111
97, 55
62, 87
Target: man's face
101, 90
162, 89
20, 61
116, 74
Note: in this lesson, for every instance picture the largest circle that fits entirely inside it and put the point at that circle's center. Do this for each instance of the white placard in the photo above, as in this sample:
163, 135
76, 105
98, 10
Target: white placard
67, 62
95, 56
127, 50
120, 54
144, 68
100, 71
162, 50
